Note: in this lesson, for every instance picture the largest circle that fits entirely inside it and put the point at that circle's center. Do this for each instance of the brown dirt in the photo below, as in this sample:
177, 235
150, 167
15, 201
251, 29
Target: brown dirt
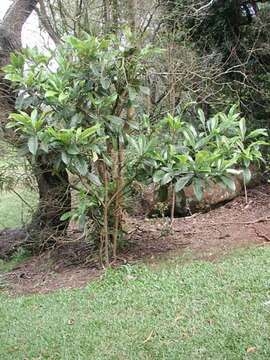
204, 236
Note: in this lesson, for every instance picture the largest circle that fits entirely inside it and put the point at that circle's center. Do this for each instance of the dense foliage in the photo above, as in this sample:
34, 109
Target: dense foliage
76, 110
237, 42
107, 108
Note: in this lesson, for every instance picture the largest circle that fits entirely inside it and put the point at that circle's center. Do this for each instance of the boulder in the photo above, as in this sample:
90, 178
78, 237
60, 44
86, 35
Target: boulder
157, 202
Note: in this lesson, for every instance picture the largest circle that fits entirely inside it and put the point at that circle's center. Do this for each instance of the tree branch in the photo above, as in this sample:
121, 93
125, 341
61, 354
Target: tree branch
16, 17
45, 21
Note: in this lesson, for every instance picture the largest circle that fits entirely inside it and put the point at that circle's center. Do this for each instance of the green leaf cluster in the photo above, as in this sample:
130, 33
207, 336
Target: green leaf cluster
217, 150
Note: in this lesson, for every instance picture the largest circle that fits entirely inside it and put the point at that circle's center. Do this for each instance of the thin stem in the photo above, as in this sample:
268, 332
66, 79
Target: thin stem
106, 225
173, 204
22, 199
245, 189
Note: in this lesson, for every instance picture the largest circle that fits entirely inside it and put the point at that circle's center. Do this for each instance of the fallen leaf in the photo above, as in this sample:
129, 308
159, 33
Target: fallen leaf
149, 337
130, 277
251, 350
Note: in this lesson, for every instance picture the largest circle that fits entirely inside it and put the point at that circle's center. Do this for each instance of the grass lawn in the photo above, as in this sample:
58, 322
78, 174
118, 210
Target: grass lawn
13, 212
171, 310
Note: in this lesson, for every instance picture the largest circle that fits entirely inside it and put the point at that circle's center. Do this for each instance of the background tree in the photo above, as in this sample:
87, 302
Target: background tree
210, 61
237, 41
54, 192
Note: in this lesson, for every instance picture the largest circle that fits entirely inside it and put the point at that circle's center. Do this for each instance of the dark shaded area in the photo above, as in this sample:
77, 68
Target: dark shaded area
54, 201
10, 241
237, 32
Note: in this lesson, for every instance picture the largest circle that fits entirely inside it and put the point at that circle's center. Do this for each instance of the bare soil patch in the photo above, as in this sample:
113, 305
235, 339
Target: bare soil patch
204, 235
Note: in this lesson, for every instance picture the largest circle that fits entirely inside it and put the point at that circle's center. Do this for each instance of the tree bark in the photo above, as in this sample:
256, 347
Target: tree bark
115, 15
54, 190
46, 22
54, 201
10, 41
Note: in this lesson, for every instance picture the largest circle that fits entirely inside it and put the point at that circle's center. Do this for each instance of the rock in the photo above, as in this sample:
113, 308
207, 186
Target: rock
217, 193
153, 202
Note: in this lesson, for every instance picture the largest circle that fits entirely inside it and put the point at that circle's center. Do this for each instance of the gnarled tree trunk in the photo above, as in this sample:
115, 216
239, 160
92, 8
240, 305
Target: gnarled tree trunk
54, 201
54, 190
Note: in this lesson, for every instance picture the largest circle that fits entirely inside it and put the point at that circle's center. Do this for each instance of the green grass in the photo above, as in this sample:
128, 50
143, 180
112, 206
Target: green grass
13, 211
171, 311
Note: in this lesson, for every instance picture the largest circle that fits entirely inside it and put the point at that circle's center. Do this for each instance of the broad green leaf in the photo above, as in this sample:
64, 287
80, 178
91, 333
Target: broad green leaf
44, 147
33, 144
105, 83
198, 189
182, 182
73, 41
65, 158
11, 125
193, 130
53, 82
158, 175
201, 116
189, 136
167, 178
17, 60
212, 123
20, 118
132, 141
81, 166
256, 133
247, 175
62, 97
232, 110
89, 132
50, 94
34, 116
228, 182
116, 120
23, 101
73, 149
14, 77
243, 128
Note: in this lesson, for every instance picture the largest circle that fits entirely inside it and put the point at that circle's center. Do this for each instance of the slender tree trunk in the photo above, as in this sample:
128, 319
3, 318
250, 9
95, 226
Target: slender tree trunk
106, 15
235, 16
115, 15
131, 6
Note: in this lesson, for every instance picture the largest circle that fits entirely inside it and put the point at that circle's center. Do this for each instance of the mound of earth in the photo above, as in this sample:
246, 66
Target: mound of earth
203, 235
